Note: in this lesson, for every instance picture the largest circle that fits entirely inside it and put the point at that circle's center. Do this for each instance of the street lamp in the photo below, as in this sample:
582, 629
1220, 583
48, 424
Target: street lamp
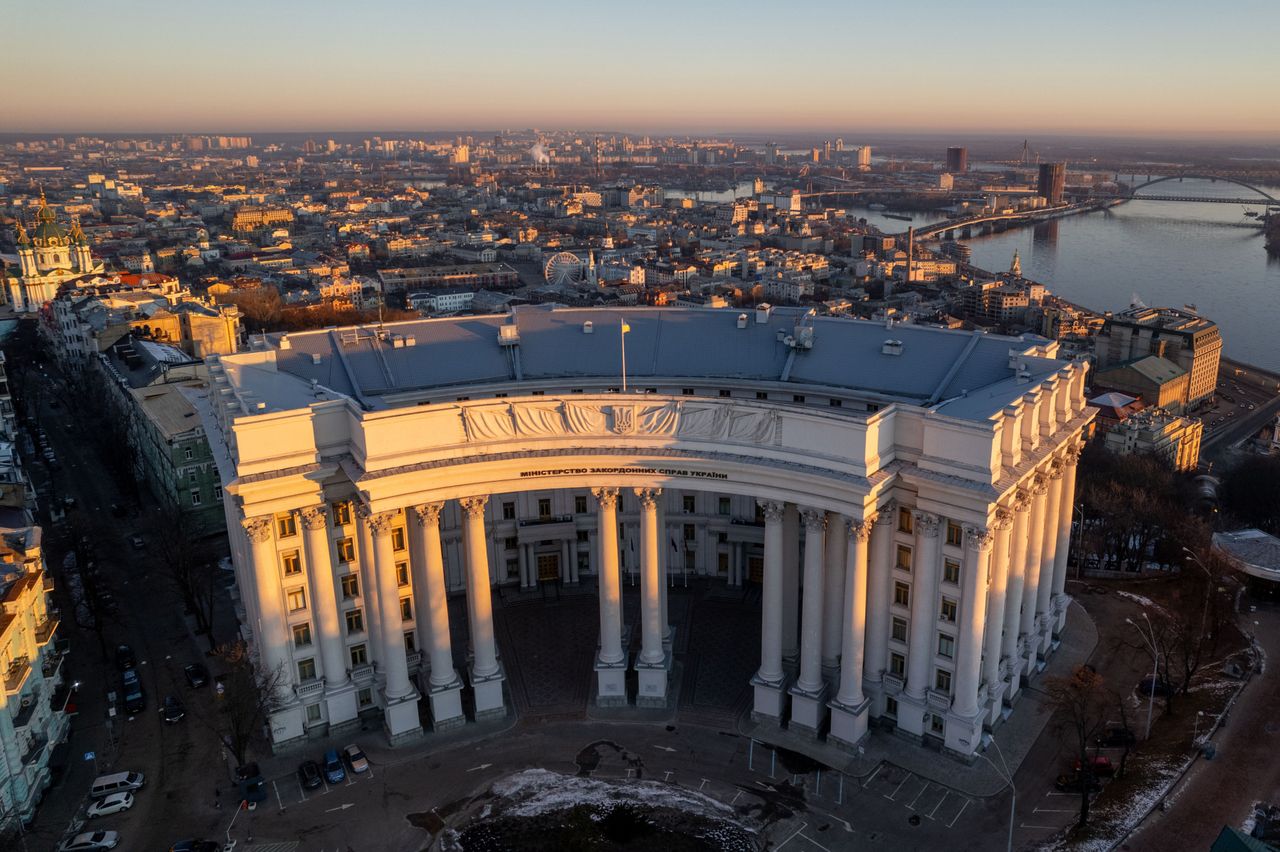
1079, 510
1208, 576
1195, 730
1007, 777
1155, 666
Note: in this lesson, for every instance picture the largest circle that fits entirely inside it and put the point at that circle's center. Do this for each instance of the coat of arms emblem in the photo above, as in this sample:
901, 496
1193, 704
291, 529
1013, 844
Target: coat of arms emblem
624, 419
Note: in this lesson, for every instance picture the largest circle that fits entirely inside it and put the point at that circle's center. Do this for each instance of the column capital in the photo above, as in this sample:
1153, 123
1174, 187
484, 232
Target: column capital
427, 513
1002, 519
363, 512
474, 506
861, 530
773, 509
648, 496
314, 518
886, 514
258, 529
1039, 484
381, 523
1021, 500
926, 523
978, 538
815, 520
1055, 469
1071, 455
606, 497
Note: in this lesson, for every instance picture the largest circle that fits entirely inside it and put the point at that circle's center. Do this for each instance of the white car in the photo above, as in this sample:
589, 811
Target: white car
91, 841
359, 763
112, 804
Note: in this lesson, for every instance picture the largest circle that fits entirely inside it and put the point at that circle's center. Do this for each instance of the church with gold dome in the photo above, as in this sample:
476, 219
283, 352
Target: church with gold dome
48, 257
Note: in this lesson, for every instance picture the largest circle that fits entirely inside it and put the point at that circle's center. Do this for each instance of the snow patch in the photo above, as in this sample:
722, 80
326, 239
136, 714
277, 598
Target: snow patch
1139, 599
539, 791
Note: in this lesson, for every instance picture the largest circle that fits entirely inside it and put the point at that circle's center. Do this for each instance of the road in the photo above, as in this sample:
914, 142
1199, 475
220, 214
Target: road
1222, 791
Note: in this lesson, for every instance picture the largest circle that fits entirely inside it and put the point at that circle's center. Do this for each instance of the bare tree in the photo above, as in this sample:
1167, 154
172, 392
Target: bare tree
246, 701
93, 606
191, 564
1082, 704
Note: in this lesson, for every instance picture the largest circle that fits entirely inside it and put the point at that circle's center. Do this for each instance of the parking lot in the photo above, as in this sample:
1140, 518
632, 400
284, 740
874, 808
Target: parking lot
1234, 399
289, 792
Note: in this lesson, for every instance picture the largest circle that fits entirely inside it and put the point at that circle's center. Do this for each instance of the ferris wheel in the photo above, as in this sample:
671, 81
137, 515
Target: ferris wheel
563, 269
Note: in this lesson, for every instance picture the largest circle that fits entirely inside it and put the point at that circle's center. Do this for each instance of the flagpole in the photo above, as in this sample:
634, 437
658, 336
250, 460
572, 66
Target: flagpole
622, 336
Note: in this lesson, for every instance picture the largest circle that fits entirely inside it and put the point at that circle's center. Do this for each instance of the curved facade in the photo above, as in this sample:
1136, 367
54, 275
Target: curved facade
902, 495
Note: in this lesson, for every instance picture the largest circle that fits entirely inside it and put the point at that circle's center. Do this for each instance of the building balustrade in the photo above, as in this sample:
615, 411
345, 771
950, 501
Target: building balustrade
309, 688
362, 673
16, 675
46, 628
937, 699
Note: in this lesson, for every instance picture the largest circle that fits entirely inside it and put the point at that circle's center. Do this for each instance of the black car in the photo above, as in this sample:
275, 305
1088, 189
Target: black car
1116, 737
135, 699
197, 675
195, 846
125, 659
1072, 782
309, 775
172, 711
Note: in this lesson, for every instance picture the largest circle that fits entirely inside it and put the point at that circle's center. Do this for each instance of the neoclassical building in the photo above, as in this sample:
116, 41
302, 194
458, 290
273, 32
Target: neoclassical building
902, 495
47, 258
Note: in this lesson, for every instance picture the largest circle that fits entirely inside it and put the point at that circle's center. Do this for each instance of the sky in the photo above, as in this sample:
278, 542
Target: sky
1121, 68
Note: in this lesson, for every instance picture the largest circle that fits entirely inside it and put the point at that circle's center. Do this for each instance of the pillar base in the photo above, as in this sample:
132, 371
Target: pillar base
848, 724
611, 683
911, 713
653, 682
446, 704
1060, 604
770, 698
490, 703
808, 709
400, 718
964, 735
669, 641
287, 726
340, 701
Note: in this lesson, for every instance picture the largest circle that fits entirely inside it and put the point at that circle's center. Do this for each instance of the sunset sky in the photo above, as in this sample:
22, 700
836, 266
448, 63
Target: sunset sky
1122, 68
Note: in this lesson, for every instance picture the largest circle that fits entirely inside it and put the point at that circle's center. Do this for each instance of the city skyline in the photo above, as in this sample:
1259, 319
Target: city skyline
998, 69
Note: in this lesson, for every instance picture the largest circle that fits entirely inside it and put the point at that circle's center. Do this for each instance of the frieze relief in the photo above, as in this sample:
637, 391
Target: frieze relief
674, 418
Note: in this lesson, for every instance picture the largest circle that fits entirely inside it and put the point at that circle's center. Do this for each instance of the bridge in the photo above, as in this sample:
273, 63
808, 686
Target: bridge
1018, 216
1132, 193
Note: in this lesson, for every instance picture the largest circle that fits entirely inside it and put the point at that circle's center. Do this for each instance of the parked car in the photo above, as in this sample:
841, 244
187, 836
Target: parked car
1100, 765
195, 846
138, 542
309, 775
91, 840
334, 772
125, 659
197, 675
1116, 737
172, 710
135, 700
112, 804
359, 763
1070, 782
1154, 686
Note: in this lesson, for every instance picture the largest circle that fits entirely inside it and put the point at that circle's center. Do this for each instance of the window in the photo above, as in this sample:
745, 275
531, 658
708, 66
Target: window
508, 511
722, 538
687, 391
350, 586
313, 714
286, 525
306, 669
341, 514
954, 533
835, 403
899, 631
544, 508
689, 504
948, 610
410, 642
891, 706
188, 454
950, 571
904, 520
217, 493
511, 543
365, 697
797, 397
355, 621
904, 558
946, 646
724, 393
902, 594
193, 475
762, 395
195, 497
937, 724
579, 504
346, 550
406, 609
650, 390
897, 665
942, 680
513, 568
688, 532
873, 407
297, 599
301, 635
535, 393
359, 654
723, 505
402, 574
583, 536
397, 539
292, 564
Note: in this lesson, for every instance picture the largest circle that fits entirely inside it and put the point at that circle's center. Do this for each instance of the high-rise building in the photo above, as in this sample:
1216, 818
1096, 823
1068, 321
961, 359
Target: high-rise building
957, 160
1190, 341
1052, 183
864, 157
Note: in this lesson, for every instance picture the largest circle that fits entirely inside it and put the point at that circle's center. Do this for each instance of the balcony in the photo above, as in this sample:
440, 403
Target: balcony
16, 675
546, 519
938, 700
47, 583
50, 666
309, 688
46, 628
26, 709
362, 673
414, 659
34, 750
893, 683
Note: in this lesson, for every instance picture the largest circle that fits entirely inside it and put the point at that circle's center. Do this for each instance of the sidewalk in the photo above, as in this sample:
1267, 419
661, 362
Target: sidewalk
1015, 737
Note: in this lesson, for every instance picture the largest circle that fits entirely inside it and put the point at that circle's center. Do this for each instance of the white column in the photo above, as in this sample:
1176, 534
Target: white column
1048, 548
815, 523
849, 709
611, 661
879, 573
924, 618
770, 681
522, 551
1066, 509
791, 583
324, 599
486, 673
395, 666
664, 562
573, 560
651, 666
833, 589
973, 609
566, 574
1031, 578
445, 687
270, 633
369, 586
994, 639
1014, 595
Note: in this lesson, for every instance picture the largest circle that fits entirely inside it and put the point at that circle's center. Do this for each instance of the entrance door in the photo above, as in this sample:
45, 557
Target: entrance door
548, 567
755, 569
